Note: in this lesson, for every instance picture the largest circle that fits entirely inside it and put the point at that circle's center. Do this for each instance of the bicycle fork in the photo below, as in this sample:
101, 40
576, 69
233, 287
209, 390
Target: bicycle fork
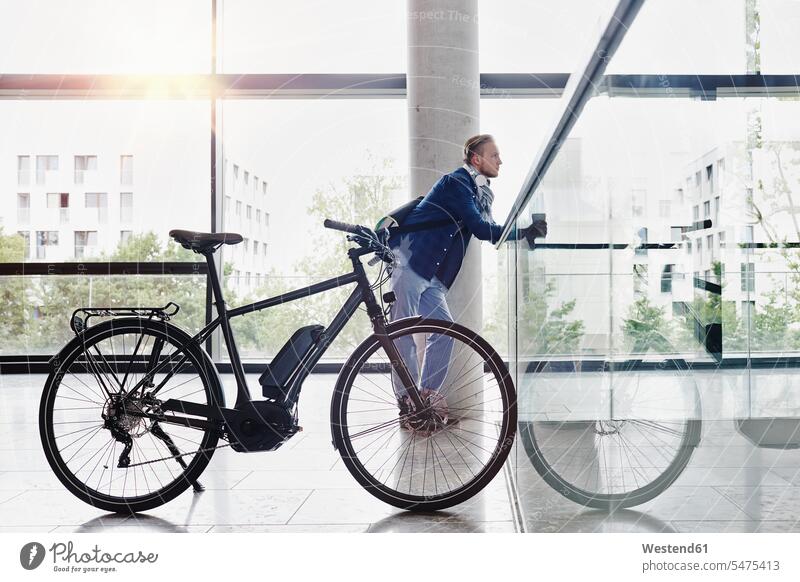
378, 320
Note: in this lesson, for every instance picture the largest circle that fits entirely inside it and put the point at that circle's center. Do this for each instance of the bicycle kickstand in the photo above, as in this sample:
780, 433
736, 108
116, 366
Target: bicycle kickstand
160, 434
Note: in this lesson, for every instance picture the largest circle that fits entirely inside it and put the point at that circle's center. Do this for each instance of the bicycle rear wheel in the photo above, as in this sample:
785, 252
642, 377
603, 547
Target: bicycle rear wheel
424, 470
631, 452
85, 426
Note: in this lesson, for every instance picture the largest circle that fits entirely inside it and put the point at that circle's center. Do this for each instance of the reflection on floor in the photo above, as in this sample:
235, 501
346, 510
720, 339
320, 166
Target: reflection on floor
729, 485
302, 487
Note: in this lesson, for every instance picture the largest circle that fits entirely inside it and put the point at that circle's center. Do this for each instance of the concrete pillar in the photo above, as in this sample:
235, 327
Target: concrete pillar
443, 111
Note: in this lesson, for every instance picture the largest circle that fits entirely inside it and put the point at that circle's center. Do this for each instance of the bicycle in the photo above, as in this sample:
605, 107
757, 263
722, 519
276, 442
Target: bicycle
133, 408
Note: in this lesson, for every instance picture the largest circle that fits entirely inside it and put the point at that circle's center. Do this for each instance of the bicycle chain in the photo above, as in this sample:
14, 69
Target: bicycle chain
177, 456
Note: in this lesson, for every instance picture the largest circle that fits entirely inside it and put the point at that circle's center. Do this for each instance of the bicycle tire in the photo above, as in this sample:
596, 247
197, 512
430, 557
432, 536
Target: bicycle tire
500, 426
68, 362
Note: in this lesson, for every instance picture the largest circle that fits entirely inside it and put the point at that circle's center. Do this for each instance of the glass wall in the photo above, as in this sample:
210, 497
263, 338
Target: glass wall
288, 165
654, 332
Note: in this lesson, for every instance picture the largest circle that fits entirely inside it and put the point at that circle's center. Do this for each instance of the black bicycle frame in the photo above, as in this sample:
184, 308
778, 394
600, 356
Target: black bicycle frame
362, 293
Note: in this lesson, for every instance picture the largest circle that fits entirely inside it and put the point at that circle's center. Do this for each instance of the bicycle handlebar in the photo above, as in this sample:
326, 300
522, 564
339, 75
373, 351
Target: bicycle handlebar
365, 237
336, 225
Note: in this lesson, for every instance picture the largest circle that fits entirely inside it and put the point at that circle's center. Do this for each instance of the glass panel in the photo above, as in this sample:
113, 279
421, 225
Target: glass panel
313, 36
685, 37
36, 320
672, 352
95, 36
76, 191
324, 159
537, 36
780, 44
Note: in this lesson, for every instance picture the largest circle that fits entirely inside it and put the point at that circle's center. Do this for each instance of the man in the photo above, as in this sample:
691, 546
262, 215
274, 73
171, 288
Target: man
428, 260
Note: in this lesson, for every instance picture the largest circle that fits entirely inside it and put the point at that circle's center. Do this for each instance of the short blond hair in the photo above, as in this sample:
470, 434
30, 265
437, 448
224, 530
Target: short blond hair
474, 145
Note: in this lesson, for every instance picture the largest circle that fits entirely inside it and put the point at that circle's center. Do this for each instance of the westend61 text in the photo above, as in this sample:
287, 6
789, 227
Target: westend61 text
673, 549
65, 553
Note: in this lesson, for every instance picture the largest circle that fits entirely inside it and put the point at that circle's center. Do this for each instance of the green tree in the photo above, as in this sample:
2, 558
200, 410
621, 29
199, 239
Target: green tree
547, 331
646, 328
14, 295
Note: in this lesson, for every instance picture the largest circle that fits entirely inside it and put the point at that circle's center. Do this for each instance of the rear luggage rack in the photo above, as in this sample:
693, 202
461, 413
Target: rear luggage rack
80, 317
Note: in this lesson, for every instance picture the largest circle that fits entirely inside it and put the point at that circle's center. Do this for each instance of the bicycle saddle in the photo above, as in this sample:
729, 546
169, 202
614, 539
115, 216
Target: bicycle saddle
201, 242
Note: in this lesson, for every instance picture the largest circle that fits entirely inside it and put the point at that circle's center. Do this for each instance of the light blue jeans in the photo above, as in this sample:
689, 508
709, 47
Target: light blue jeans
417, 296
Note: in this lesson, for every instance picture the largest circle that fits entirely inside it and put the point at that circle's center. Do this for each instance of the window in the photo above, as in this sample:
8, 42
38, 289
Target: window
26, 238
255, 184
707, 209
126, 207
227, 209
666, 278
748, 275
247, 278
258, 216
664, 208
642, 249
748, 234
710, 241
246, 245
721, 238
707, 275
44, 239
255, 247
696, 213
239, 208
710, 177
716, 209
23, 170
235, 172
638, 198
60, 201
126, 170
266, 219
249, 212
246, 177
264, 249
697, 180
98, 200
639, 278
679, 308
264, 188
124, 235
85, 243
84, 164
44, 166
24, 208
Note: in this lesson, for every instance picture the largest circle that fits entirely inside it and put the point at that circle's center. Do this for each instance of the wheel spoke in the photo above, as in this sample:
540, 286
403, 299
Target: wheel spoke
410, 459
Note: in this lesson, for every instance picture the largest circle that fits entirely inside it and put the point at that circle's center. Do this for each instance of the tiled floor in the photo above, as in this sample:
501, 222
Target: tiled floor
302, 487
728, 486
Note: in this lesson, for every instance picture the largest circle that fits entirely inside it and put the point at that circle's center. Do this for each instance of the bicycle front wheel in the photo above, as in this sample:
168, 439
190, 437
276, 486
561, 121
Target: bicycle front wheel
425, 470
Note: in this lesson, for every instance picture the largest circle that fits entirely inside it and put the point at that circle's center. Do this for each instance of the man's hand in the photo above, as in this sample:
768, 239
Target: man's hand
537, 229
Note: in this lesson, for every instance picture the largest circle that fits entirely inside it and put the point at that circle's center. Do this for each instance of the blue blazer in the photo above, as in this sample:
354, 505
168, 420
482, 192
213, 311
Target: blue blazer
440, 251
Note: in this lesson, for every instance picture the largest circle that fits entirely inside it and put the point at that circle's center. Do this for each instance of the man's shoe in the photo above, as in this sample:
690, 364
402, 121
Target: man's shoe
406, 407
438, 403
